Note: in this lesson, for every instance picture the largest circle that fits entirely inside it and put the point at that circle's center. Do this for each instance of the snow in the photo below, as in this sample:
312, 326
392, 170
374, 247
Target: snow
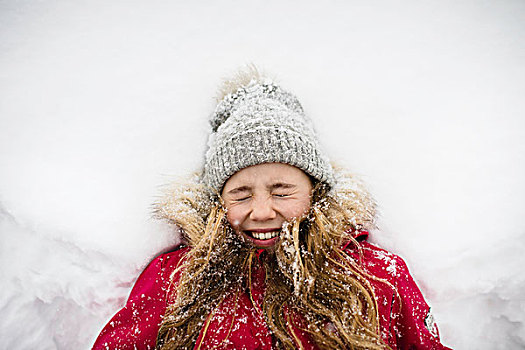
102, 102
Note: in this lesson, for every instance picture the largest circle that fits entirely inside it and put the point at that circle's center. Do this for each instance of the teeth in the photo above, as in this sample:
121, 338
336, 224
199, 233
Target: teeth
265, 235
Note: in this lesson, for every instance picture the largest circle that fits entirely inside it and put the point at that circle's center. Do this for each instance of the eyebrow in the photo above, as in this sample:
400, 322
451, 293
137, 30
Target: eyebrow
240, 189
278, 185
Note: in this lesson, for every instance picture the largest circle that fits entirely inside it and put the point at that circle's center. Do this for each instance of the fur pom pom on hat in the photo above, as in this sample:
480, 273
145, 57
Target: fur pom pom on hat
261, 123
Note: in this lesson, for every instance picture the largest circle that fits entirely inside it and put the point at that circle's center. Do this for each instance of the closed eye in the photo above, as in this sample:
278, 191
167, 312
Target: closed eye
242, 199
281, 195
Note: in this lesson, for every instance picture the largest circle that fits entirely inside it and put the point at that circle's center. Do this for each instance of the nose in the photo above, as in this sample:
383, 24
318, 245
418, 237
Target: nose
262, 210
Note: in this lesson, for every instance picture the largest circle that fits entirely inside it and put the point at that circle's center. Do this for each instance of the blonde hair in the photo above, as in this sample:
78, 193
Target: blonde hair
310, 275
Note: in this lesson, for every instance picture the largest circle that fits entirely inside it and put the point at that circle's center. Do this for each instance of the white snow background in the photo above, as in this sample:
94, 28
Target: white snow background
101, 102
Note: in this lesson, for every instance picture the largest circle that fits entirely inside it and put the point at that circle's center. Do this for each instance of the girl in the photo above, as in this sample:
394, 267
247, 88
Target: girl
276, 253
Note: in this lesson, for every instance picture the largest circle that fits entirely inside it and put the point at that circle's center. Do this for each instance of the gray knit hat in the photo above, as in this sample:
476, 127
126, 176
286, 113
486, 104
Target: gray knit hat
261, 123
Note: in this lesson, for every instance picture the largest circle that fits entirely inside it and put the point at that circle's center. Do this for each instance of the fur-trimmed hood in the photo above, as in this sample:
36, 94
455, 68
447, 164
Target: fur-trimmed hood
187, 203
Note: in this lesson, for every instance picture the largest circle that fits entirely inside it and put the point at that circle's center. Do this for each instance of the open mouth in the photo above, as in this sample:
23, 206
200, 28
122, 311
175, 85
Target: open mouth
262, 235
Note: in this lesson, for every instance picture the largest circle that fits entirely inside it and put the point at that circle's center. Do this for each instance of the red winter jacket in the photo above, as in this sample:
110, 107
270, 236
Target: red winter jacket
405, 321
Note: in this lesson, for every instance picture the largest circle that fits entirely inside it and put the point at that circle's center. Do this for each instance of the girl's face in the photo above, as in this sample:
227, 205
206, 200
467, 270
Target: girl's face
260, 198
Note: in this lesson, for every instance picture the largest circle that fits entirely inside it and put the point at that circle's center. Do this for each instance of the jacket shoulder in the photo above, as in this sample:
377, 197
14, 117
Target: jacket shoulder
380, 262
137, 323
170, 258
410, 316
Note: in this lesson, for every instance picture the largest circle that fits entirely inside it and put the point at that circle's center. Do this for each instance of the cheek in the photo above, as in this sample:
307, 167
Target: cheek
234, 217
297, 209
